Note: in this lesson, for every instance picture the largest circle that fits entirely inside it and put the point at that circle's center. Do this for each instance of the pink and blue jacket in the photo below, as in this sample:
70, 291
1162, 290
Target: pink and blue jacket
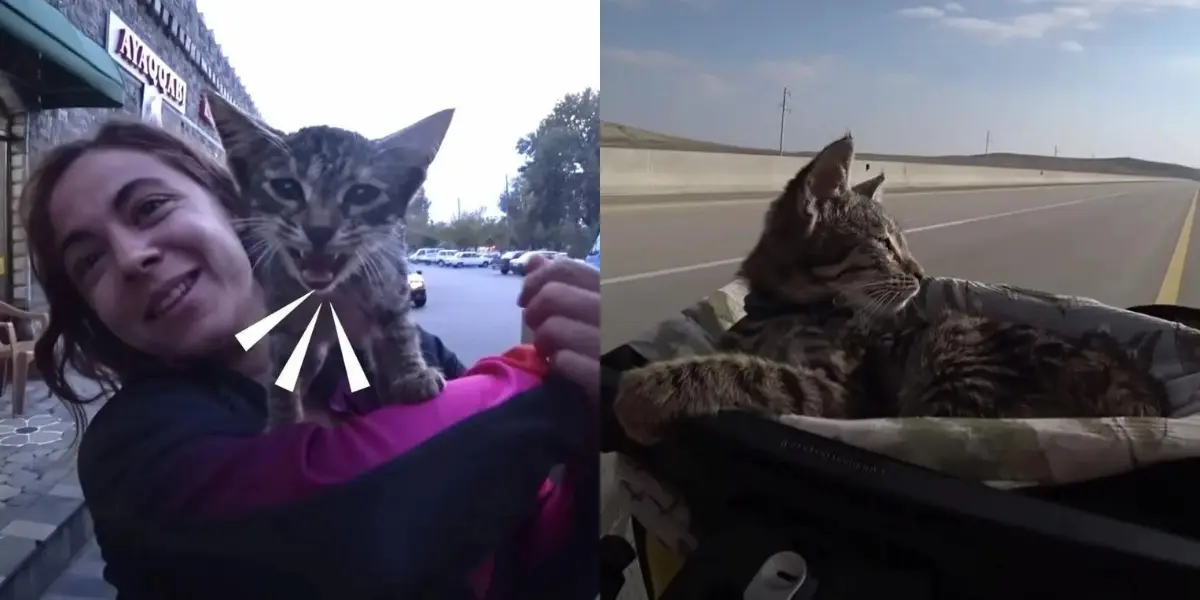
467, 473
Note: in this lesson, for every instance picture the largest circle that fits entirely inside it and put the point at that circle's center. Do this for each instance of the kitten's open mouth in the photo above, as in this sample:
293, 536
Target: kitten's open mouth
318, 269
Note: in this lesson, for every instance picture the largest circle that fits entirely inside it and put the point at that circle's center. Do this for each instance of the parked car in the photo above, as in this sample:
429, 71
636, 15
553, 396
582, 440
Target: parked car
467, 259
422, 256
443, 256
416, 287
505, 259
518, 265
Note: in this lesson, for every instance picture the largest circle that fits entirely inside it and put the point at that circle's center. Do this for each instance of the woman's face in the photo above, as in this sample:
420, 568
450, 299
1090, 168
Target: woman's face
153, 253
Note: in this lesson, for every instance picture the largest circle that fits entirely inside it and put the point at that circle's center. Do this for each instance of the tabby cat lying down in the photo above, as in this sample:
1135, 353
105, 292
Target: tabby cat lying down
835, 271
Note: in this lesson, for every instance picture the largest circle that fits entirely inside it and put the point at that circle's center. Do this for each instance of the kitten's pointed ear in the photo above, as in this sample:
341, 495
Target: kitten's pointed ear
871, 188
423, 138
241, 134
829, 171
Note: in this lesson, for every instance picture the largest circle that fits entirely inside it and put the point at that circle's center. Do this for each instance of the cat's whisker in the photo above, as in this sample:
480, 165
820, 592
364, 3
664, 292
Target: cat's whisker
361, 265
370, 270
866, 286
257, 244
381, 276
264, 258
251, 219
371, 257
877, 305
884, 300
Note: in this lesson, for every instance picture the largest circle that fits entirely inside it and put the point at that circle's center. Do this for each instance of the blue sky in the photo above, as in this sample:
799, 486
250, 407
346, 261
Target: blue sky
1094, 77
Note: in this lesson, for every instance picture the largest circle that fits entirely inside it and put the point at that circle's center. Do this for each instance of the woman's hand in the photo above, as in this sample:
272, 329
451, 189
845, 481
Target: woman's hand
561, 299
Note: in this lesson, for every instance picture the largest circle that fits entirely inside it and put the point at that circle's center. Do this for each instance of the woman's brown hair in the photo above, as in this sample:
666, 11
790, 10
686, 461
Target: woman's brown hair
76, 339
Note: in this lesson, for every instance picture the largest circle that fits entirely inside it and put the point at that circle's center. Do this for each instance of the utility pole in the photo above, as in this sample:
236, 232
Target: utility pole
1056, 151
987, 142
784, 109
459, 215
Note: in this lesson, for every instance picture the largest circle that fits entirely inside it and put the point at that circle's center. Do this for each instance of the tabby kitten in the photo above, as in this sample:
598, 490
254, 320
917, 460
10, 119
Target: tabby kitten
838, 266
324, 212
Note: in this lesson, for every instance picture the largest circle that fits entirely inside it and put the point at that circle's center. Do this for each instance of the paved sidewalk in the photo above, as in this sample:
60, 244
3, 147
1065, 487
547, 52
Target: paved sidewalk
84, 579
43, 523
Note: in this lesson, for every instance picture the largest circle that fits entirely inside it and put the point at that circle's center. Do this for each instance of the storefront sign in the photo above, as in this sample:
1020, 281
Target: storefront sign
136, 57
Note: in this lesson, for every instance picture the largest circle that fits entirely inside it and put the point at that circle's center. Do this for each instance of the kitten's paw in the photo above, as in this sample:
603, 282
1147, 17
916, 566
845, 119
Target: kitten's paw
418, 387
646, 402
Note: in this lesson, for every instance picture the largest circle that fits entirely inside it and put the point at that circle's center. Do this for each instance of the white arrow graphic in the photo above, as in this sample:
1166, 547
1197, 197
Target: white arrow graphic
290, 375
354, 370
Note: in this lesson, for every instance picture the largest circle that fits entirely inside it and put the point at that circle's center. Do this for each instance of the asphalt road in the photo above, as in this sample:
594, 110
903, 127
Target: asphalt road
474, 310
1111, 242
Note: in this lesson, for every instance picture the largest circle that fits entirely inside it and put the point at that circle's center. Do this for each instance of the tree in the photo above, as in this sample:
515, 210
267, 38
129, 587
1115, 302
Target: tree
515, 203
469, 230
555, 200
420, 232
418, 209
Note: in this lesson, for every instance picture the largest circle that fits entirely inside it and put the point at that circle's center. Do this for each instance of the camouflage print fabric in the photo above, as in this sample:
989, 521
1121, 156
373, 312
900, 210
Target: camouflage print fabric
999, 452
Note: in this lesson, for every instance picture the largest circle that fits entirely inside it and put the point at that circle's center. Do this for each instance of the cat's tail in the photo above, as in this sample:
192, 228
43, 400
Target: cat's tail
699, 386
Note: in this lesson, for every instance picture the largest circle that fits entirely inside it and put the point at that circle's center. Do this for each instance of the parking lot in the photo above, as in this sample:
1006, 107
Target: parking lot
474, 310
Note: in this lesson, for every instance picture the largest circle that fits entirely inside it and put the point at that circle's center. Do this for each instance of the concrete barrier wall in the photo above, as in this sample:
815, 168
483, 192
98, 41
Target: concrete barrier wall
626, 171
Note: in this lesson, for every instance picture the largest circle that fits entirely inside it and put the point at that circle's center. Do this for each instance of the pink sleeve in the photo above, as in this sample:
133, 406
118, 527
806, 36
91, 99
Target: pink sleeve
234, 475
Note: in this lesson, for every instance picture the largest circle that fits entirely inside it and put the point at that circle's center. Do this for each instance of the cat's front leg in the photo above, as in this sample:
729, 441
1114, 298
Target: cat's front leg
283, 407
401, 372
652, 396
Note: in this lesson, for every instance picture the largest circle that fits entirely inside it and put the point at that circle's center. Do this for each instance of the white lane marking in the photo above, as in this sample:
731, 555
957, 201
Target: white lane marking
731, 261
767, 197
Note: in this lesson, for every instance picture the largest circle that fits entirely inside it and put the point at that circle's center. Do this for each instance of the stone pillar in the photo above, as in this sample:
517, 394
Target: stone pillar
18, 266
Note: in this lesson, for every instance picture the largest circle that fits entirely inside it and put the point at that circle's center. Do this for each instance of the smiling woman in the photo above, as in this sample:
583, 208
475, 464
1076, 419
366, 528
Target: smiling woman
183, 314
144, 58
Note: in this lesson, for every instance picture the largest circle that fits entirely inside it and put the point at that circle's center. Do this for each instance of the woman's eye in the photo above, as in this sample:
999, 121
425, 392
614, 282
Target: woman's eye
148, 207
85, 263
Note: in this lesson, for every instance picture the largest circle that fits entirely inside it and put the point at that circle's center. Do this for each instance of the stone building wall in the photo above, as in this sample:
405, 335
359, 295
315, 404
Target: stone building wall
175, 33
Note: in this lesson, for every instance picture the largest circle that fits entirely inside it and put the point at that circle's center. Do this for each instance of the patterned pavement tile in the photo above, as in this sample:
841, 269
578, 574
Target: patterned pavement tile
39, 493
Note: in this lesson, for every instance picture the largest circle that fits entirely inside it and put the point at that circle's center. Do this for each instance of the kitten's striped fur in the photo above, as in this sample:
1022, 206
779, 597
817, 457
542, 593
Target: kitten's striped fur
827, 241
328, 194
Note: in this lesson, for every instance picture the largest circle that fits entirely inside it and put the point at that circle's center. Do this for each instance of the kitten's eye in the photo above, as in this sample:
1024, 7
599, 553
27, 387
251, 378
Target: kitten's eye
287, 188
889, 245
361, 194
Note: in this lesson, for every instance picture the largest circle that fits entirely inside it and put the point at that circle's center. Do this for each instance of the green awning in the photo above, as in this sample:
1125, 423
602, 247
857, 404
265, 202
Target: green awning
53, 63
